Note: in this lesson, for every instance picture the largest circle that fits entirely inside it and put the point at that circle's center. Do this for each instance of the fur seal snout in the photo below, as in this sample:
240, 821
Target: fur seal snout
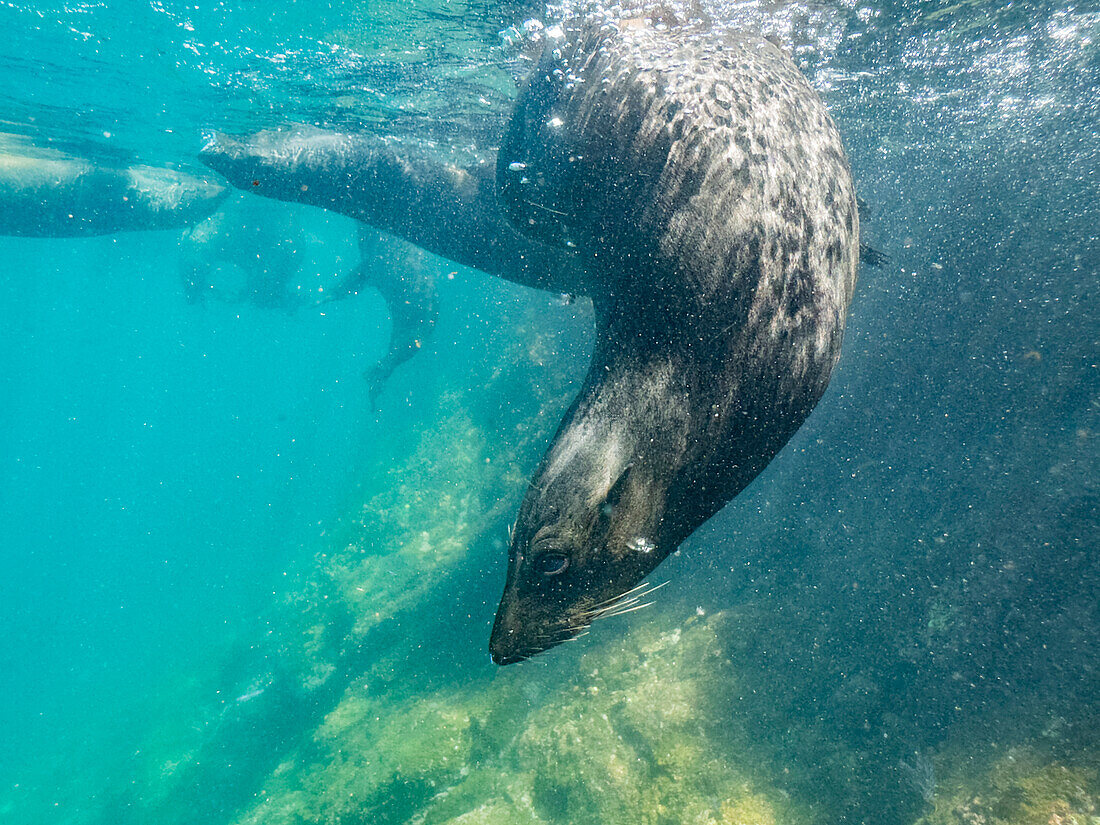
702, 173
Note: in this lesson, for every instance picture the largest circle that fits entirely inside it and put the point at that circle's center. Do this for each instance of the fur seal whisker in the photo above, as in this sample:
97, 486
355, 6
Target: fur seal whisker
627, 610
603, 611
635, 588
634, 591
545, 208
626, 603
618, 605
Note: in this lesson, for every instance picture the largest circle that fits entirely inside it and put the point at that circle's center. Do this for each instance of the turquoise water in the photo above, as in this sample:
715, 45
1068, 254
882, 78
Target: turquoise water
231, 591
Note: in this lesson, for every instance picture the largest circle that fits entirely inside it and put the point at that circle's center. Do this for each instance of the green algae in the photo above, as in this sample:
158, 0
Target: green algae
419, 524
1020, 785
638, 740
369, 761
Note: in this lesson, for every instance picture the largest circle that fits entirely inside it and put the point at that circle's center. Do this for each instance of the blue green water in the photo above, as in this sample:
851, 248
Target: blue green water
231, 591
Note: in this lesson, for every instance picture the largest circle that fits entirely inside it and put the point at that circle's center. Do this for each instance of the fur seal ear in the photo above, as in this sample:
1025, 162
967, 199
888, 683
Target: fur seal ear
611, 502
615, 493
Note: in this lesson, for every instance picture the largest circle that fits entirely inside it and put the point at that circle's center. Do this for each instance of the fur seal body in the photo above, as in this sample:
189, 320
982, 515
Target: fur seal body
690, 181
50, 194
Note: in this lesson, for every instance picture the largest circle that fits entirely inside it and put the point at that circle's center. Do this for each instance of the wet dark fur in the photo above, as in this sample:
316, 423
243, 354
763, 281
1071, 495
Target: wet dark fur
690, 182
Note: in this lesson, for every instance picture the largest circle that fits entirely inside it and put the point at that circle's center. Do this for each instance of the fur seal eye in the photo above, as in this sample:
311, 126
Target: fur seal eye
551, 564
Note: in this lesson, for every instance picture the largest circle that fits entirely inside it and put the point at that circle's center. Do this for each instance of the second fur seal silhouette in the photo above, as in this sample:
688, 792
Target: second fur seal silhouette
47, 193
687, 179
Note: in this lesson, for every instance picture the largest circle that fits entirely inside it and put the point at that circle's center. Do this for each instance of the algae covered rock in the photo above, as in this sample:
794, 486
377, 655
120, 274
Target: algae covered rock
498, 813
637, 740
1020, 785
623, 733
369, 761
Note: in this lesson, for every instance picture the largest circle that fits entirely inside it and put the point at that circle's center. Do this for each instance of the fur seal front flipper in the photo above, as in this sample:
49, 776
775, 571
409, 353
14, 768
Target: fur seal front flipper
445, 209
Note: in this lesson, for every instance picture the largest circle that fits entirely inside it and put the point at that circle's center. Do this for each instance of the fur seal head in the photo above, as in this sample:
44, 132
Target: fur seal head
580, 563
700, 175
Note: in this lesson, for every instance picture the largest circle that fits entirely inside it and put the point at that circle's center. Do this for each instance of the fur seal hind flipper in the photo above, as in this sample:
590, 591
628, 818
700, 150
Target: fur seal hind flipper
408, 289
407, 191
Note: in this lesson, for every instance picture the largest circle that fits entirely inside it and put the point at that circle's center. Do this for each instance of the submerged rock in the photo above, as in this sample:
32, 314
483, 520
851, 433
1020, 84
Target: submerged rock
635, 739
1020, 785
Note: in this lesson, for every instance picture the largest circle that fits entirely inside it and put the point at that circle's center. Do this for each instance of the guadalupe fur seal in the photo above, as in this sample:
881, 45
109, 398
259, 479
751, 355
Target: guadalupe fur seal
688, 180
46, 193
